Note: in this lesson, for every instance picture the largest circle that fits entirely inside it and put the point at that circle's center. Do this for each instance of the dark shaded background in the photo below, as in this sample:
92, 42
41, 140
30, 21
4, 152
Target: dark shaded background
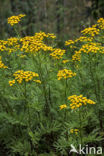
66, 18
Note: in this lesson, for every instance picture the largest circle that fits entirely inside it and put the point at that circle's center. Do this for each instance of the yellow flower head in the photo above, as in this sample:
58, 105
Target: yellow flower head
34, 44
100, 23
69, 42
57, 53
65, 73
74, 131
11, 83
2, 64
77, 56
27, 76
92, 48
84, 39
90, 31
63, 106
65, 61
3, 45
38, 81
15, 19
78, 101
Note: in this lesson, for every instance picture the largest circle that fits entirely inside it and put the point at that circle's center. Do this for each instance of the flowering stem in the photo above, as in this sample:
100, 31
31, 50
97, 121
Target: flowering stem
43, 86
65, 115
80, 122
97, 91
29, 117
92, 76
16, 32
66, 91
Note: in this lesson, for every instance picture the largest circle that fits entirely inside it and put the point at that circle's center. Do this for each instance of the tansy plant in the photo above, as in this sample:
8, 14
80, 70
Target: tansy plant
31, 115
15, 19
27, 76
65, 74
79, 101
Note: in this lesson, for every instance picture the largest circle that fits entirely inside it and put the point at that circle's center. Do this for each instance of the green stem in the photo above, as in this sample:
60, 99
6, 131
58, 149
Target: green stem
65, 115
92, 76
80, 122
28, 109
43, 86
17, 33
96, 89
66, 91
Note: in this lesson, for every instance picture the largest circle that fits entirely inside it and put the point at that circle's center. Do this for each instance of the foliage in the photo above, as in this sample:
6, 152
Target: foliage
51, 97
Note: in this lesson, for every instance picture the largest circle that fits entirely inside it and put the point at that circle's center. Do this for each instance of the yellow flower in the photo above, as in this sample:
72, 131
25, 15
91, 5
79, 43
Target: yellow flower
57, 53
88, 48
2, 64
100, 23
77, 56
78, 101
69, 42
84, 39
27, 76
90, 31
71, 130
38, 81
15, 19
63, 106
30, 44
92, 48
34, 44
11, 82
65, 61
65, 73
74, 131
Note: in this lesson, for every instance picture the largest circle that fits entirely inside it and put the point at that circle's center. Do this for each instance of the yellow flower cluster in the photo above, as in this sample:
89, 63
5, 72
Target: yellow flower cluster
31, 44
87, 36
84, 39
12, 41
41, 35
92, 48
63, 106
35, 43
57, 53
15, 19
21, 75
50, 35
88, 48
2, 64
11, 45
3, 45
77, 56
65, 61
38, 81
100, 23
74, 131
90, 31
78, 101
72, 43
65, 73
12, 82
69, 42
